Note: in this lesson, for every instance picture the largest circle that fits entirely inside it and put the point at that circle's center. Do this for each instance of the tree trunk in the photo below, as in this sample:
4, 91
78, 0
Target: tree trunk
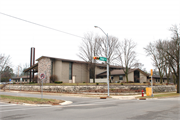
126, 77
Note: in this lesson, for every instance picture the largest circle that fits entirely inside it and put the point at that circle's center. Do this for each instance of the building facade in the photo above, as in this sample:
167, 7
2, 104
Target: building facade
118, 76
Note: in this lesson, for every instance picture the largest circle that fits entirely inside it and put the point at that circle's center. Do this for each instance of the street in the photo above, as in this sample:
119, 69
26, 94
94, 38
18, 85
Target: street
93, 108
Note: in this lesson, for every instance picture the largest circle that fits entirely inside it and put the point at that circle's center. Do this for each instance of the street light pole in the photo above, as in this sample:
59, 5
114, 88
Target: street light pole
179, 65
107, 56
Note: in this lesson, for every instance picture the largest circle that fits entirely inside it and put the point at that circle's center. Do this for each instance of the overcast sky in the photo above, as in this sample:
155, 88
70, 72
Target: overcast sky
143, 21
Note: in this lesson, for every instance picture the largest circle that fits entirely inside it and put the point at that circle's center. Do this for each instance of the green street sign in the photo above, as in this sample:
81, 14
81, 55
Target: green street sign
102, 58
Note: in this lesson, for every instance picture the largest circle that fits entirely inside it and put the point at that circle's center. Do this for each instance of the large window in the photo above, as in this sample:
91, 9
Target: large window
120, 77
70, 71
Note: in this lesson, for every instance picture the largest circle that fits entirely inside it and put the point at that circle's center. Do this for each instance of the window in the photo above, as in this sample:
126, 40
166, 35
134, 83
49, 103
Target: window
120, 77
163, 80
70, 71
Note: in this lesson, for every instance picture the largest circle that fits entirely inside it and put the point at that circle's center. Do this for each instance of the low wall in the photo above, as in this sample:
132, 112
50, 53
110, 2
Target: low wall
92, 89
99, 80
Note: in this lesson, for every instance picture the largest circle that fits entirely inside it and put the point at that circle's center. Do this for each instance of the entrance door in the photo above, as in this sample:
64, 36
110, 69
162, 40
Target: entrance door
136, 77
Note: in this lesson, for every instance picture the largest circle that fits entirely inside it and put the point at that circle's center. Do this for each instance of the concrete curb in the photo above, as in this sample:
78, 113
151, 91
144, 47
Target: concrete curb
41, 105
66, 103
123, 97
148, 99
48, 105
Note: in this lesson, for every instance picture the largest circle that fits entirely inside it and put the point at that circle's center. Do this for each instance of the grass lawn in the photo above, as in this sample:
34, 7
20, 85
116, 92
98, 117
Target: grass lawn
30, 100
159, 95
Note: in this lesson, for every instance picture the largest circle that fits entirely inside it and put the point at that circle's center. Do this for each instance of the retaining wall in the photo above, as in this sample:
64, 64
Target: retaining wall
92, 89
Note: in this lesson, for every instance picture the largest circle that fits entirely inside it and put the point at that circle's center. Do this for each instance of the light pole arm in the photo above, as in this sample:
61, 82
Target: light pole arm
101, 30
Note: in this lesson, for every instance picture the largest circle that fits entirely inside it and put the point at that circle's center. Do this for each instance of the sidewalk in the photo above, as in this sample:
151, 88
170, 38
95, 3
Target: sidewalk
134, 96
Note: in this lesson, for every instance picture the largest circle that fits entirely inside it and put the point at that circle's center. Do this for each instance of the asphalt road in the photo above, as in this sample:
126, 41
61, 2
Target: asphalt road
93, 109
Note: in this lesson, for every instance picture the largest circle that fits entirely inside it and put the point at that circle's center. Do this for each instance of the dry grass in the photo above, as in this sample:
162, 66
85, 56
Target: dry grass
30, 100
164, 95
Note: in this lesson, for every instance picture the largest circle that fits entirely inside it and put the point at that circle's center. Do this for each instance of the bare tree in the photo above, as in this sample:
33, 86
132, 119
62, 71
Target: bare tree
173, 52
165, 55
4, 62
90, 47
23, 67
139, 65
166, 60
113, 47
156, 56
127, 55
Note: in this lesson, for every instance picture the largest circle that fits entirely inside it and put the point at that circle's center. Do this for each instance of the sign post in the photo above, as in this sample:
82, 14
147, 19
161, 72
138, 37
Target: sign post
152, 83
42, 76
9, 84
105, 59
21, 83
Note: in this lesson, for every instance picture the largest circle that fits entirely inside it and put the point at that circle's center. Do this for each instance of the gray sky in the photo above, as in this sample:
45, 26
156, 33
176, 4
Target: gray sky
143, 21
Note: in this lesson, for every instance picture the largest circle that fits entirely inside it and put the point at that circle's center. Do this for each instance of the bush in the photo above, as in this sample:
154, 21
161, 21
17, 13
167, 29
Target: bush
31, 82
112, 89
58, 82
121, 83
97, 83
4, 79
35, 79
53, 78
118, 82
84, 82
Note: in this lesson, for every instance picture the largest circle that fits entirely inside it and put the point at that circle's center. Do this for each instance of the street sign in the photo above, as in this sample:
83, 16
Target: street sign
42, 76
100, 58
9, 80
103, 59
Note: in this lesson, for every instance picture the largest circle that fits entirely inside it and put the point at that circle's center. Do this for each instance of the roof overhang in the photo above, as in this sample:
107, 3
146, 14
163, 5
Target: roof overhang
35, 66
